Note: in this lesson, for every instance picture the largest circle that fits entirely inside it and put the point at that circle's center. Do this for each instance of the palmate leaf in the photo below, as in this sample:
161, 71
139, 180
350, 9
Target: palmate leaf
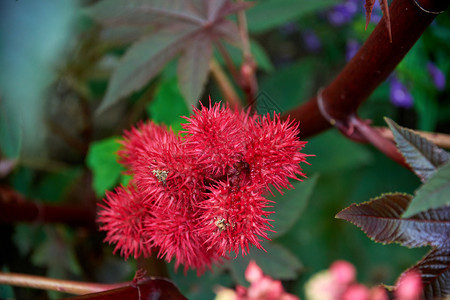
193, 68
423, 156
381, 219
189, 27
143, 61
435, 272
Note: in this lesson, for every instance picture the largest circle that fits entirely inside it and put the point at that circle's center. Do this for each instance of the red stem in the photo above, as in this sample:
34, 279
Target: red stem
371, 65
15, 208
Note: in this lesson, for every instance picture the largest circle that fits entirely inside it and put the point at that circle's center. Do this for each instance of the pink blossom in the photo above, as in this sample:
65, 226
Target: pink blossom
409, 286
343, 271
261, 287
356, 292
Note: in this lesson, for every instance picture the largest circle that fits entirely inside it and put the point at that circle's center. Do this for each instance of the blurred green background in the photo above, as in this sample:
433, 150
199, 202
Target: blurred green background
55, 63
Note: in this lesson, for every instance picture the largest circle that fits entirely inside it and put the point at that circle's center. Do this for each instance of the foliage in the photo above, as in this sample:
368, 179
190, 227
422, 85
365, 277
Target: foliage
179, 27
423, 220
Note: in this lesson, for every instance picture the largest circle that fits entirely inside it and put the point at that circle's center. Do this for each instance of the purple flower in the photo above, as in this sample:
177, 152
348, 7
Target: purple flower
437, 76
289, 28
399, 94
352, 47
343, 13
312, 41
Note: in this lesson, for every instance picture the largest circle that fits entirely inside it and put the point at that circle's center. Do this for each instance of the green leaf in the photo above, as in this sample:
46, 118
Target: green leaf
28, 237
57, 254
344, 153
259, 54
381, 220
143, 61
10, 135
284, 88
168, 95
278, 262
433, 194
289, 206
102, 160
423, 156
53, 187
193, 68
268, 14
261, 57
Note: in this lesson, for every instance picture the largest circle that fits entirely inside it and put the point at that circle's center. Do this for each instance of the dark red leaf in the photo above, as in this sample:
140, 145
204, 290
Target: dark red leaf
158, 289
194, 26
423, 156
143, 60
193, 68
435, 271
381, 220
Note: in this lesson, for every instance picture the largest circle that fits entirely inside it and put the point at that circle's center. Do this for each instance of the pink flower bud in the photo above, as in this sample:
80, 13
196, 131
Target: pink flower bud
409, 286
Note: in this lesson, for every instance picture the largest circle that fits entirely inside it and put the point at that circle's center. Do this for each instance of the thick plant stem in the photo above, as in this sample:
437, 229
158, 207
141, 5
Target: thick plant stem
371, 65
15, 208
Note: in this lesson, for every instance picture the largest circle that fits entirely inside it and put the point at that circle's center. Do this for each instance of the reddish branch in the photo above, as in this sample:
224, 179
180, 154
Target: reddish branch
15, 208
144, 288
369, 67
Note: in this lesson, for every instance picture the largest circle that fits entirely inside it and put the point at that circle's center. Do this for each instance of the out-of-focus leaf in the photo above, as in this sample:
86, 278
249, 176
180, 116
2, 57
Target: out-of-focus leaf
56, 254
278, 262
102, 160
193, 68
268, 14
283, 87
34, 35
143, 61
229, 31
168, 95
433, 194
259, 54
435, 271
10, 135
179, 26
27, 237
136, 12
381, 220
289, 207
344, 153
53, 187
423, 156
202, 287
